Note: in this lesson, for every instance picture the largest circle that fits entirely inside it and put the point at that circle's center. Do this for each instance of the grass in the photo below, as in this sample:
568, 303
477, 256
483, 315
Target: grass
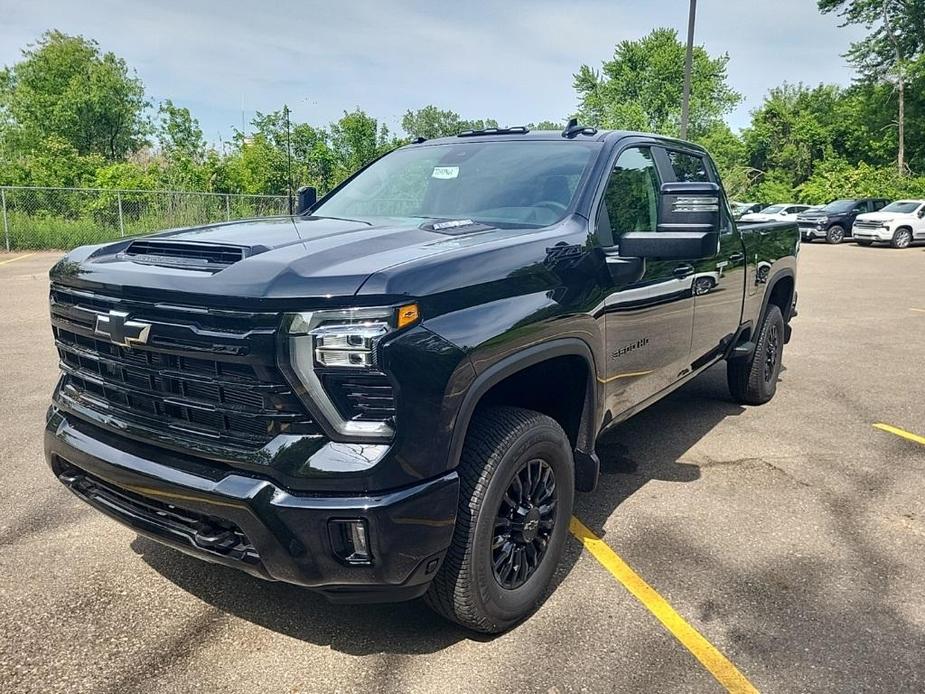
46, 231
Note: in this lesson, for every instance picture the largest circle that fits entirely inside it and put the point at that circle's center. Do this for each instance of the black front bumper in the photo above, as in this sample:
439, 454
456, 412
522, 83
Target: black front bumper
254, 525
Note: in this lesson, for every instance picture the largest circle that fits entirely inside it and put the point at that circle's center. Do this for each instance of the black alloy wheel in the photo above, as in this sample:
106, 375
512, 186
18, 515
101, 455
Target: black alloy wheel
523, 524
772, 353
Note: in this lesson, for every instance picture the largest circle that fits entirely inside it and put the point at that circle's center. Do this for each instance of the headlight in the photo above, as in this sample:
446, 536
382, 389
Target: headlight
884, 225
822, 220
334, 355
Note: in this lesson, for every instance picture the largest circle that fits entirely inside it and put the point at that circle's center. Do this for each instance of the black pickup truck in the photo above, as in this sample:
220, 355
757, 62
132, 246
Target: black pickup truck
397, 392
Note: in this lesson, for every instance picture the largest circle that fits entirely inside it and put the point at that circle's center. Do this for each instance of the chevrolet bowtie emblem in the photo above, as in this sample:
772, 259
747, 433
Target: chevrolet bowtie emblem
118, 329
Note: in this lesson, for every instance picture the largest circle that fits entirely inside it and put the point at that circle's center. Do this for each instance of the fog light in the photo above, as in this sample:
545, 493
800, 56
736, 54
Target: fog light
350, 540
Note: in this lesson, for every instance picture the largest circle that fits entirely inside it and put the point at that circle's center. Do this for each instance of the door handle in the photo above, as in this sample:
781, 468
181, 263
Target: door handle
736, 257
683, 270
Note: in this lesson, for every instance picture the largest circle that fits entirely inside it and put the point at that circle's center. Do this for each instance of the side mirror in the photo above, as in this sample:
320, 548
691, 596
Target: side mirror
922, 213
307, 196
688, 225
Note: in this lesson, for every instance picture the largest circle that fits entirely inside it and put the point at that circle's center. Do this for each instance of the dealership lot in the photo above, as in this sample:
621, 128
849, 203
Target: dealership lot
790, 536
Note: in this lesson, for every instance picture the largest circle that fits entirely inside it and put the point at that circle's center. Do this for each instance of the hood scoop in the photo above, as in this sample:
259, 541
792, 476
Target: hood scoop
187, 254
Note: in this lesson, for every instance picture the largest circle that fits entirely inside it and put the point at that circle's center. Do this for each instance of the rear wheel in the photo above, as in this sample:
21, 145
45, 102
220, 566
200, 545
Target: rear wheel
753, 380
835, 234
516, 492
902, 238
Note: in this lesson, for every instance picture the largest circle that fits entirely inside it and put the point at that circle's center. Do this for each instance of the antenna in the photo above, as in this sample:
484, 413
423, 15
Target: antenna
288, 158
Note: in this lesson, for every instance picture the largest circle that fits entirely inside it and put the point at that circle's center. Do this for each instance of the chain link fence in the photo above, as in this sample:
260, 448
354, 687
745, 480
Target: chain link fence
62, 218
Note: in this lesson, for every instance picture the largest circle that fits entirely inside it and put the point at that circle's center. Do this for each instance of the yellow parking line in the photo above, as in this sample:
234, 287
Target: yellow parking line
920, 310
13, 260
900, 432
715, 662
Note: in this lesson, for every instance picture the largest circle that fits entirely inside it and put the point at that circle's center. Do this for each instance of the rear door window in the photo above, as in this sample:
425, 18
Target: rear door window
687, 167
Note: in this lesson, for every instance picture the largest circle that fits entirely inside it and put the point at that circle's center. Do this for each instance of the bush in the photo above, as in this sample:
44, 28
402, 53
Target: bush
836, 178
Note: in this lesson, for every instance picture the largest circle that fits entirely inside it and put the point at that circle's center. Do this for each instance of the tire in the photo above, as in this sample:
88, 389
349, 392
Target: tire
902, 238
501, 444
864, 242
753, 381
835, 235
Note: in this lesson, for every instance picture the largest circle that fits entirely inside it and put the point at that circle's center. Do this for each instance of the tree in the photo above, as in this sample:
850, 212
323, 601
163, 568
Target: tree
66, 89
357, 139
546, 125
640, 88
896, 38
431, 122
178, 133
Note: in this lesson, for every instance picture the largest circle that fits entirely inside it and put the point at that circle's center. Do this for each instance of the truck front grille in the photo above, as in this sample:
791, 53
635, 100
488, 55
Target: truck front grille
203, 375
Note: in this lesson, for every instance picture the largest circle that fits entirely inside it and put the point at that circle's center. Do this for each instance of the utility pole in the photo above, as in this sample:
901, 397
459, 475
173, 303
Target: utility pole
288, 158
688, 62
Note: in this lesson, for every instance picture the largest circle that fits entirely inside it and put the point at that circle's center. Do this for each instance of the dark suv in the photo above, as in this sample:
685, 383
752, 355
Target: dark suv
397, 392
834, 221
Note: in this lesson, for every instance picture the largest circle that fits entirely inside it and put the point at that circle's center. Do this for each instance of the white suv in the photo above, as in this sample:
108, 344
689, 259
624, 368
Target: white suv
899, 224
775, 213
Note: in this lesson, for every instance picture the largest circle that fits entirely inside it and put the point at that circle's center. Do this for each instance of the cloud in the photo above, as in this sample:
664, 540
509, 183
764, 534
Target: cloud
513, 61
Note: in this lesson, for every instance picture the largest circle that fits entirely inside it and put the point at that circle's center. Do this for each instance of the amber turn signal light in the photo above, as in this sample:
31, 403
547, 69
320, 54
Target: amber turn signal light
407, 315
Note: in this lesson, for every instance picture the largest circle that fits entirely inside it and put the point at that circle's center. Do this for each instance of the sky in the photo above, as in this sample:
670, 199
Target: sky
509, 60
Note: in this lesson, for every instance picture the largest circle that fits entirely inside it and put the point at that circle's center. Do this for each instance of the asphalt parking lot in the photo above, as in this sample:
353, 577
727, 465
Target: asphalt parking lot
790, 536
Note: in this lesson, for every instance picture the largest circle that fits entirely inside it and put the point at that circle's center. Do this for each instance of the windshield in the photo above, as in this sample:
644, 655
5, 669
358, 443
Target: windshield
528, 183
902, 206
773, 209
839, 206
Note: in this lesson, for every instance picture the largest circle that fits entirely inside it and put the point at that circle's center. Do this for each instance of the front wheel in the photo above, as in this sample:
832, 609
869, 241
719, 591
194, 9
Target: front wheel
517, 484
902, 238
835, 234
753, 380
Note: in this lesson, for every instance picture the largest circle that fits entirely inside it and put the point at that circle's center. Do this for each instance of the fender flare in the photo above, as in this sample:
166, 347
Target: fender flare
524, 359
769, 289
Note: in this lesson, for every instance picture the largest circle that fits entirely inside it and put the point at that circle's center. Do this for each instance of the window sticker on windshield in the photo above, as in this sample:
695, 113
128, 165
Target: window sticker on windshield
445, 172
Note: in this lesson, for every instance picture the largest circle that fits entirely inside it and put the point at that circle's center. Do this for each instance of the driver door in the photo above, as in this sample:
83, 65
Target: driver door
649, 312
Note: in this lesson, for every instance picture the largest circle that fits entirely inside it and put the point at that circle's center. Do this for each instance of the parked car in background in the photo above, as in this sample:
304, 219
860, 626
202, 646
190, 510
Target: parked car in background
833, 222
899, 224
740, 208
786, 212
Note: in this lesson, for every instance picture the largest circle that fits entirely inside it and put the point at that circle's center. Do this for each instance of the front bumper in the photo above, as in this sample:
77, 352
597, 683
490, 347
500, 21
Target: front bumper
811, 232
872, 234
250, 523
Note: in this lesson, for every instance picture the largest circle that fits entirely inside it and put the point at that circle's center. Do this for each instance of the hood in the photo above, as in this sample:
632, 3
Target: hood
819, 214
266, 259
881, 216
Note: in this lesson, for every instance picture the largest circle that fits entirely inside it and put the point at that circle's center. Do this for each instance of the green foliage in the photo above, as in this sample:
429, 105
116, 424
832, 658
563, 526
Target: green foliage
179, 133
66, 89
896, 33
640, 88
431, 122
836, 178
772, 188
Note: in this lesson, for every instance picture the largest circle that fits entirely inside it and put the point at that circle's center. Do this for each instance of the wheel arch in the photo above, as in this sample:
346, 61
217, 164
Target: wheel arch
501, 383
780, 292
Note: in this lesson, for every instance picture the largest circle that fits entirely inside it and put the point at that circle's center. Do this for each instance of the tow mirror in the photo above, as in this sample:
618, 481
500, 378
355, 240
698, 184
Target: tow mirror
688, 225
307, 196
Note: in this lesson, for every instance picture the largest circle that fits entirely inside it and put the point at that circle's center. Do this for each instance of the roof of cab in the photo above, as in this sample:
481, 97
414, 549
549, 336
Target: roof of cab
553, 135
